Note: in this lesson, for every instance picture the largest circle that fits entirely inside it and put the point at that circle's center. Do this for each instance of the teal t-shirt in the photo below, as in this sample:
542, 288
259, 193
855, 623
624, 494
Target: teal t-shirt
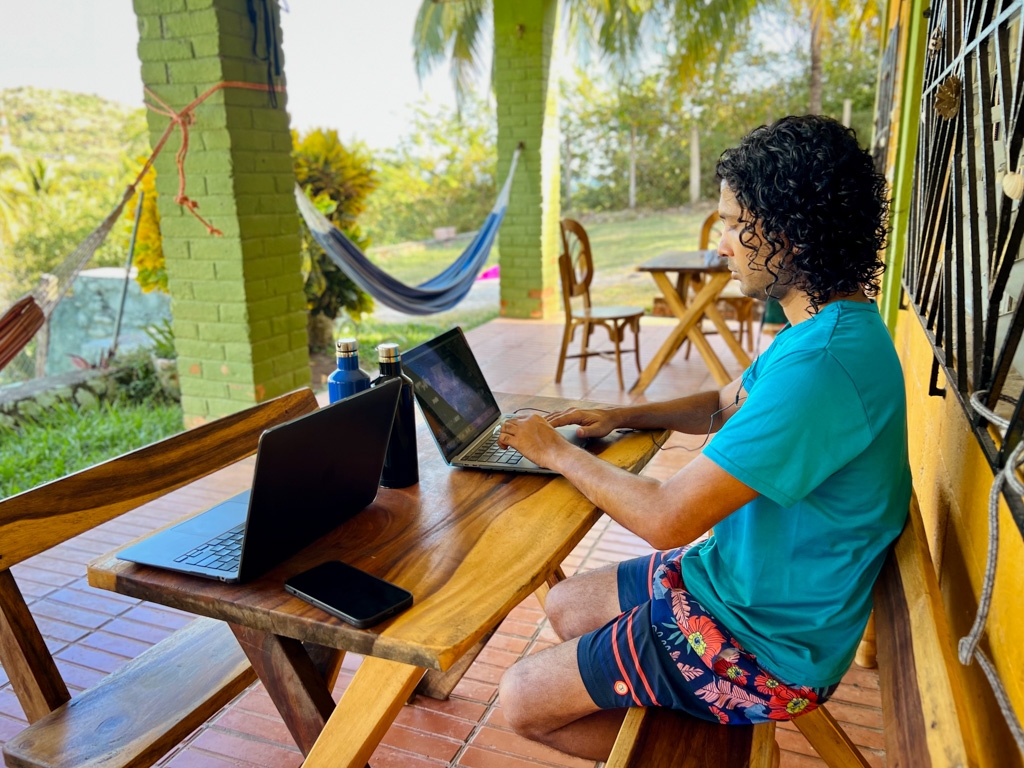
822, 438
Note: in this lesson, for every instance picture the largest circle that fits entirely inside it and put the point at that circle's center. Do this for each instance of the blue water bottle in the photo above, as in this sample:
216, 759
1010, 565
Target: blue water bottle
348, 379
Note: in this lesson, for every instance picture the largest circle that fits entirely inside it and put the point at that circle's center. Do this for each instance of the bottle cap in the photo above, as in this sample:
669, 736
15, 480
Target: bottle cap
388, 352
346, 347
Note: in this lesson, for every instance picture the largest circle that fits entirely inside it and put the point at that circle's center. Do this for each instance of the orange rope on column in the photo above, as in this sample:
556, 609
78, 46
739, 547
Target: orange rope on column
182, 120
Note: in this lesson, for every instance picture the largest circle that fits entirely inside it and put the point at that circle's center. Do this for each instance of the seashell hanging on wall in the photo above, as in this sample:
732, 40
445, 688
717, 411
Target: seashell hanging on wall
947, 98
935, 42
1013, 185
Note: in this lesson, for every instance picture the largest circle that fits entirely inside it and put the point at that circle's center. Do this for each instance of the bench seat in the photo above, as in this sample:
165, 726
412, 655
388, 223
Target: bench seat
139, 713
652, 737
922, 715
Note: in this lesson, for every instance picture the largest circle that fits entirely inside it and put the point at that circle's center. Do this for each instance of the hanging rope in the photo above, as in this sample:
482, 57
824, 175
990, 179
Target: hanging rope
182, 120
967, 648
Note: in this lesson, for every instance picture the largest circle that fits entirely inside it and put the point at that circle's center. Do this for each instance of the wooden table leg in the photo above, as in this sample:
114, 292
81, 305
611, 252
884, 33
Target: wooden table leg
371, 703
724, 331
292, 680
718, 372
689, 315
542, 591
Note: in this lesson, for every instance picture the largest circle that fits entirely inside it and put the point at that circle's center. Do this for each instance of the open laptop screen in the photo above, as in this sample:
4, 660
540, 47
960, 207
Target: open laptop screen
451, 390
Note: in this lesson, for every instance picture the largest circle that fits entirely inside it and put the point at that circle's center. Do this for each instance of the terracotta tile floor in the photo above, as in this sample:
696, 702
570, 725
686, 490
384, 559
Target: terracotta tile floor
92, 632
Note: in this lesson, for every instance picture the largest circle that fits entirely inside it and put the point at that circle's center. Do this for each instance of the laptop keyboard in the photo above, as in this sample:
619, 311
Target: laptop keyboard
490, 452
221, 553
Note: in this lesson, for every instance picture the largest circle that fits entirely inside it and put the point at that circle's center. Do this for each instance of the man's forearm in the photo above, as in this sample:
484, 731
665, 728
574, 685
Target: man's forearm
691, 414
631, 500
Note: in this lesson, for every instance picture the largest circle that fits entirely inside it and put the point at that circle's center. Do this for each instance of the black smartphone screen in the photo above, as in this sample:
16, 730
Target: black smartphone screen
350, 594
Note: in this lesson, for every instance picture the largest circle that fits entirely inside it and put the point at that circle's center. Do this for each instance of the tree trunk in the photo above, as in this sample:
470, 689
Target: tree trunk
567, 196
814, 107
694, 165
320, 329
632, 167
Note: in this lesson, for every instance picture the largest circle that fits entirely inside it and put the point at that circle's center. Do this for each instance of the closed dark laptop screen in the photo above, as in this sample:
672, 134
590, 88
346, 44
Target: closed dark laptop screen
451, 390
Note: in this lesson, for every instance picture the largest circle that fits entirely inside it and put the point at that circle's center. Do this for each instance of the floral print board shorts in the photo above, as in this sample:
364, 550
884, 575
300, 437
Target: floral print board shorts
666, 650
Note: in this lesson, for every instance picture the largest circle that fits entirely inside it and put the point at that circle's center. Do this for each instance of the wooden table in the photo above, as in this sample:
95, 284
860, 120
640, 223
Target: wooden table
690, 270
469, 545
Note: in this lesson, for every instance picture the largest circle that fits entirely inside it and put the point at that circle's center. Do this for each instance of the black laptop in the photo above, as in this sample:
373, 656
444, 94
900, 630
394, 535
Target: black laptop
460, 409
312, 474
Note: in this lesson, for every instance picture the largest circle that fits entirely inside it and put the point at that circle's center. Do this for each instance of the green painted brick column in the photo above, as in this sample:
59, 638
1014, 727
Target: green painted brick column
237, 301
527, 97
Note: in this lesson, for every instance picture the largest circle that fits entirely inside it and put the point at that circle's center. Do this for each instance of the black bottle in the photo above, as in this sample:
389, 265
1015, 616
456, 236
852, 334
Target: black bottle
401, 466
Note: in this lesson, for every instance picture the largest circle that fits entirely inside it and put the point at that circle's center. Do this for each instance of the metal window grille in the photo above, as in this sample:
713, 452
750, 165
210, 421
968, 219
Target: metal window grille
964, 272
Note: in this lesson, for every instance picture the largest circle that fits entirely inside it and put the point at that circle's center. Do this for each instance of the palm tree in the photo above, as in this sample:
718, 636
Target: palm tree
702, 31
615, 26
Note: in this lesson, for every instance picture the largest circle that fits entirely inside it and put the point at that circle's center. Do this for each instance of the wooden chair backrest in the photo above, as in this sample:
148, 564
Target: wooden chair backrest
710, 231
33, 521
575, 264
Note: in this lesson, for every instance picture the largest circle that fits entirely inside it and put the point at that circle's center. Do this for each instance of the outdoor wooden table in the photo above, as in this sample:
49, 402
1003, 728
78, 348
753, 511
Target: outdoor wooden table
690, 268
470, 545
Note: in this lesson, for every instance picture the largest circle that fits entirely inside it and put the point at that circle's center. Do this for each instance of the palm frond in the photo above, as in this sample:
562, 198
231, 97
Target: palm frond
454, 30
702, 31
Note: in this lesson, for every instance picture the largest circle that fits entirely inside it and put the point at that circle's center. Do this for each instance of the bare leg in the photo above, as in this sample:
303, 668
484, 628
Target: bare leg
544, 699
583, 603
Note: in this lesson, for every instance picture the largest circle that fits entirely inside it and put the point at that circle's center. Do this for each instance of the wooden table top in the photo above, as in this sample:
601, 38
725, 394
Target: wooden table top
470, 545
680, 261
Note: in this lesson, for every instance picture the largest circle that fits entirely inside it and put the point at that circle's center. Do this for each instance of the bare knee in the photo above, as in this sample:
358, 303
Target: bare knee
559, 607
580, 605
516, 695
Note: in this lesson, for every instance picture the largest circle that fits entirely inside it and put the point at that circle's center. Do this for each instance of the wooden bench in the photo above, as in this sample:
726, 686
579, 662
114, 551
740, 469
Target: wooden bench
137, 714
918, 676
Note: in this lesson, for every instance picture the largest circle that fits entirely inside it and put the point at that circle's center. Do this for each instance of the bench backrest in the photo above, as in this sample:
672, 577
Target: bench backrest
33, 521
921, 695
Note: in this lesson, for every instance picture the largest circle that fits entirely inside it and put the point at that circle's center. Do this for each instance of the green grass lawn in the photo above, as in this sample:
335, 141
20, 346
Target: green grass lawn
66, 439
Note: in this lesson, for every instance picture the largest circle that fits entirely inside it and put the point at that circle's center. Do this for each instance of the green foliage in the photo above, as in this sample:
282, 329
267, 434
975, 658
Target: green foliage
441, 174
163, 339
64, 439
67, 170
136, 378
148, 257
338, 180
752, 88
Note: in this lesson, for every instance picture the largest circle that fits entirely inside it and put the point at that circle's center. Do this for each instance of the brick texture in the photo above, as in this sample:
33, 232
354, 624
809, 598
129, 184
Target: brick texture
237, 300
526, 94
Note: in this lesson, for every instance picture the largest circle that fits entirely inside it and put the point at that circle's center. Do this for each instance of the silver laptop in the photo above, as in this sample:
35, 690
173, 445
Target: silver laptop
312, 474
460, 409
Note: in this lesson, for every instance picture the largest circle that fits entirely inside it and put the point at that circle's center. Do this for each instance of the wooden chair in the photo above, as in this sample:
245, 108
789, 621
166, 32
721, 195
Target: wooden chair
138, 713
576, 265
742, 306
922, 703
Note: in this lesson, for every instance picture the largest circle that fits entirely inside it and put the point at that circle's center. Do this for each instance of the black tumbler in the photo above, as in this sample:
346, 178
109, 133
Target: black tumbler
401, 466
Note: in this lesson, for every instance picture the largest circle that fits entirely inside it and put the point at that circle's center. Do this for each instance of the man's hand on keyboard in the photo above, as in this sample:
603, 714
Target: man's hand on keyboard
533, 437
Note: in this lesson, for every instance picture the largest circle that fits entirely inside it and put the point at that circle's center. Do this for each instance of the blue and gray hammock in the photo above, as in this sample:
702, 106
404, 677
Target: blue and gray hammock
441, 292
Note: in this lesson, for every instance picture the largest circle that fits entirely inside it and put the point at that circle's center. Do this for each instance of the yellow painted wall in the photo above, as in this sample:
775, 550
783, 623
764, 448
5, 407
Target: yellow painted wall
952, 479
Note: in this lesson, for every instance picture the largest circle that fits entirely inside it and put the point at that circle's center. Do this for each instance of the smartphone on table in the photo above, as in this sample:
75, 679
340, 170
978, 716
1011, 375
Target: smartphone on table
352, 595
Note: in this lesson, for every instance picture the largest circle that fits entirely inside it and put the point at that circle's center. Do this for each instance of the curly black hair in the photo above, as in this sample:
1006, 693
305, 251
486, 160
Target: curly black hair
811, 193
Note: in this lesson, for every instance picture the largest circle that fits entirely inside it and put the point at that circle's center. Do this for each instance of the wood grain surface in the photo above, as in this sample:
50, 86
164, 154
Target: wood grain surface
135, 715
656, 737
918, 672
33, 521
25, 657
470, 545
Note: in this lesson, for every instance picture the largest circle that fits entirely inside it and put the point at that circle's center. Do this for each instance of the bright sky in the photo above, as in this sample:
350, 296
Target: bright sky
348, 63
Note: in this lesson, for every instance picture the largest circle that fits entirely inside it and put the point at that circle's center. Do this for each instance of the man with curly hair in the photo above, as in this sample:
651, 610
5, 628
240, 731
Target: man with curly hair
806, 481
